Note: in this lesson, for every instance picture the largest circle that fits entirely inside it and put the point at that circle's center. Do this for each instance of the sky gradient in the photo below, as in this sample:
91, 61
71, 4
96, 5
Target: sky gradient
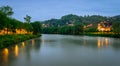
41, 10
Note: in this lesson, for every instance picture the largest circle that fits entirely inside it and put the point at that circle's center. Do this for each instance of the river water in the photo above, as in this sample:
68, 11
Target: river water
63, 50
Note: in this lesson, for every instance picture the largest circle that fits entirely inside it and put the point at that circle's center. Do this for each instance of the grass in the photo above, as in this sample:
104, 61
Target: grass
8, 40
103, 34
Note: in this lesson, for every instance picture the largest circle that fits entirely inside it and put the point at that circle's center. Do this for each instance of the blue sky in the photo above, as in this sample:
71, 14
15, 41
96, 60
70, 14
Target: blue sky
41, 10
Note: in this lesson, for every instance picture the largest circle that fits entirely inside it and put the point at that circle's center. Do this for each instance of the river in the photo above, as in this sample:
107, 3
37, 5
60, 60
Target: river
63, 50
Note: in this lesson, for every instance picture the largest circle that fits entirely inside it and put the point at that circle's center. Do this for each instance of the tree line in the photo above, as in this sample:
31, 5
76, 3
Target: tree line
6, 21
74, 24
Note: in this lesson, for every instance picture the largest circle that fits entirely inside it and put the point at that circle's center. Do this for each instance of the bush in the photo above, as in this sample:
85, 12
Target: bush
8, 40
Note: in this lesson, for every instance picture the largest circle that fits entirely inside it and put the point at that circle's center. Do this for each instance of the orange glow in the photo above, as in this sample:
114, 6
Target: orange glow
21, 31
18, 31
103, 42
5, 53
33, 42
99, 43
16, 50
101, 27
23, 44
106, 41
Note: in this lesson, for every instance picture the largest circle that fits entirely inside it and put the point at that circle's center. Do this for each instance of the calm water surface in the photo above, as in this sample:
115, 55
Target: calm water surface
63, 50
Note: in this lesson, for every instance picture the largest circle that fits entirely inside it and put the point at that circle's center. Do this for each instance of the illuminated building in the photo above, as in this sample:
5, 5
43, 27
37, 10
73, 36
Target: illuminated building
104, 26
17, 31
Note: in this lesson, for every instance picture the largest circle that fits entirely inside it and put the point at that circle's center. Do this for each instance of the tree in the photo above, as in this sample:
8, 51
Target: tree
116, 27
70, 18
36, 27
27, 19
78, 28
3, 18
7, 10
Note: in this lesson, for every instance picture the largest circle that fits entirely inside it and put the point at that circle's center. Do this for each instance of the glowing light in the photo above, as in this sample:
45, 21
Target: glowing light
18, 31
16, 50
5, 55
23, 44
99, 43
106, 41
103, 28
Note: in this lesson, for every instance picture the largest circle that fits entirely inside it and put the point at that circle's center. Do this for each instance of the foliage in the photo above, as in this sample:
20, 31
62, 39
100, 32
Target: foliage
93, 29
8, 40
116, 27
12, 24
27, 19
36, 27
7, 10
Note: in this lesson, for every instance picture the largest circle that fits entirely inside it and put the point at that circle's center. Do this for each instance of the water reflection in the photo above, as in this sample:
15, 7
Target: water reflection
33, 42
16, 50
103, 42
99, 43
23, 44
5, 55
64, 51
106, 41
84, 42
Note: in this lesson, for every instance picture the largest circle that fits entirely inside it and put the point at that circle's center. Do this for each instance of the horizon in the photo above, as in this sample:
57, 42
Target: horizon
41, 10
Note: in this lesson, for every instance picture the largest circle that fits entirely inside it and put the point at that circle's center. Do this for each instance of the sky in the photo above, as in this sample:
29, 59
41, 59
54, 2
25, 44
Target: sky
41, 10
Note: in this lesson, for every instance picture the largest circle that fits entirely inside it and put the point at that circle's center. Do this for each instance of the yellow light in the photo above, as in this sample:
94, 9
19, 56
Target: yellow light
106, 41
23, 44
99, 43
16, 50
5, 55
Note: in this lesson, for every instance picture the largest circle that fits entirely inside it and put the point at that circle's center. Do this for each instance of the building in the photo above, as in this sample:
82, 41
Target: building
104, 26
17, 31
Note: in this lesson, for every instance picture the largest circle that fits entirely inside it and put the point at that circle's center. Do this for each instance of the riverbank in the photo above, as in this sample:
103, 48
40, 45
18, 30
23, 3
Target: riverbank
102, 34
8, 40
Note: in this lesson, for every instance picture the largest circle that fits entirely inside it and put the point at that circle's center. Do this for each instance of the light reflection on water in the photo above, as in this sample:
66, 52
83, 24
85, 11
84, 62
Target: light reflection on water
23, 44
63, 50
103, 42
33, 42
16, 50
5, 55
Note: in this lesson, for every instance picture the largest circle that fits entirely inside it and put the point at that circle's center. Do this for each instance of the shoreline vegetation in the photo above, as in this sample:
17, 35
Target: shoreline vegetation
13, 31
103, 35
8, 40
91, 25
93, 34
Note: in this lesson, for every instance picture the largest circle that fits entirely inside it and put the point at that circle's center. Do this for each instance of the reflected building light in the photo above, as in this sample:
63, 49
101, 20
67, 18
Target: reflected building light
33, 42
5, 53
102, 42
106, 41
99, 43
16, 50
23, 44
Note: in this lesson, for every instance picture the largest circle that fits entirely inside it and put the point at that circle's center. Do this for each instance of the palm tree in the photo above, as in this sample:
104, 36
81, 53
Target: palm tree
27, 19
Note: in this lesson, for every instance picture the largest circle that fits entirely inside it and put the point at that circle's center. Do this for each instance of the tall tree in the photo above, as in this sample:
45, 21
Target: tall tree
7, 10
36, 27
27, 19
